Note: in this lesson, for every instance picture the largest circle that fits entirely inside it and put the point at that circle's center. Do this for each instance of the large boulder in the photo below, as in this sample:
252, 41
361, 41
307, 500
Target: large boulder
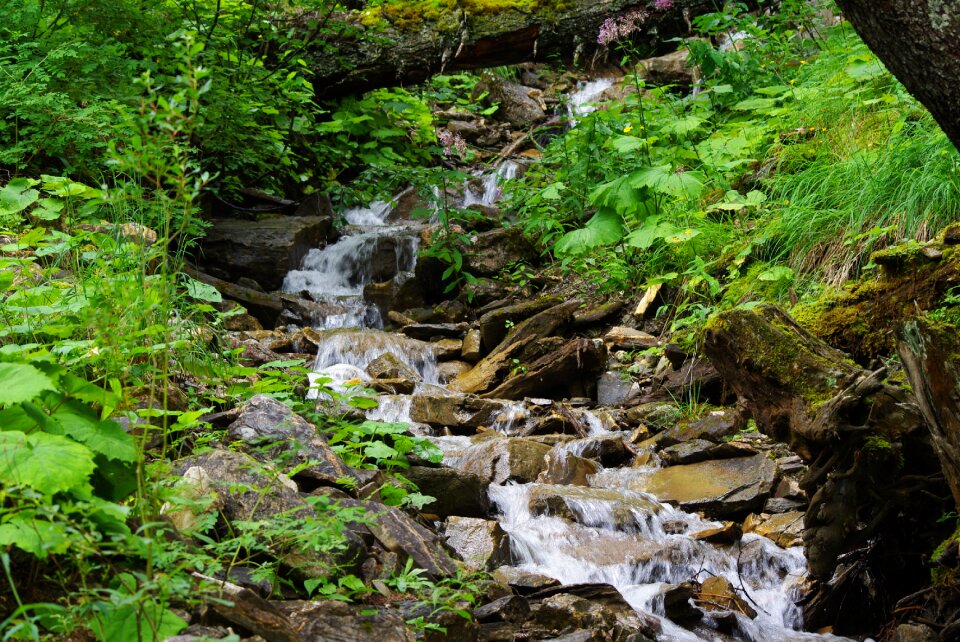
455, 492
519, 106
269, 429
490, 252
460, 413
495, 323
480, 543
499, 460
264, 249
582, 504
719, 488
562, 373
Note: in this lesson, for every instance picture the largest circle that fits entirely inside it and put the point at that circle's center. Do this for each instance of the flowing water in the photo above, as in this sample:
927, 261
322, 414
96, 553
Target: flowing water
615, 532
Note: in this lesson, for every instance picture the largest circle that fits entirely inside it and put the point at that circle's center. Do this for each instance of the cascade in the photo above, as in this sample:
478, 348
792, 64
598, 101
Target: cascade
619, 533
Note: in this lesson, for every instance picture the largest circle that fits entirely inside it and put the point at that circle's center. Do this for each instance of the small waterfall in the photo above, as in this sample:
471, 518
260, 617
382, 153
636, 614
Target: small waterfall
358, 347
490, 187
587, 92
371, 250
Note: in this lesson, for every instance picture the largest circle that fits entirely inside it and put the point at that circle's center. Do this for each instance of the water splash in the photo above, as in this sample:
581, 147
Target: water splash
581, 102
490, 187
358, 347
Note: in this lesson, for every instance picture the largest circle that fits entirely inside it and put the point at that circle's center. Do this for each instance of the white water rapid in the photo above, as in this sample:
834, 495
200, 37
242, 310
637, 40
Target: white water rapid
614, 531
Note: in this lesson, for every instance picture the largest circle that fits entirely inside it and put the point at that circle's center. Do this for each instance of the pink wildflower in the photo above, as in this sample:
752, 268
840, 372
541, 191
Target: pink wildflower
451, 142
614, 29
663, 5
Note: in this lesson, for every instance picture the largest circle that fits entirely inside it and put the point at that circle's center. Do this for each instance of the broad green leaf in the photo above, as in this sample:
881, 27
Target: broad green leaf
552, 191
37, 537
663, 180
604, 228
754, 104
17, 196
202, 291
684, 125
650, 231
627, 144
22, 382
145, 621
776, 273
379, 451
104, 437
682, 235
47, 463
362, 403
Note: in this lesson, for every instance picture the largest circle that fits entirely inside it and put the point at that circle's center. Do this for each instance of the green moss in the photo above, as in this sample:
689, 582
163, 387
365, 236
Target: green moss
941, 575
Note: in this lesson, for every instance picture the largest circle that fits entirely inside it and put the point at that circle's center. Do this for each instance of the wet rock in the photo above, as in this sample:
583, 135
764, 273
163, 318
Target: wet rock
609, 449
334, 620
717, 594
539, 326
566, 468
509, 608
456, 492
914, 633
690, 452
433, 331
390, 366
495, 323
242, 489
784, 529
561, 373
657, 414
446, 349
450, 370
696, 379
392, 386
623, 338
401, 292
470, 351
238, 318
489, 370
460, 413
491, 252
583, 504
616, 389
519, 106
719, 488
776, 505
498, 461
263, 250
593, 607
671, 69
595, 314
729, 533
399, 534
713, 427
523, 582
677, 603
480, 543
271, 430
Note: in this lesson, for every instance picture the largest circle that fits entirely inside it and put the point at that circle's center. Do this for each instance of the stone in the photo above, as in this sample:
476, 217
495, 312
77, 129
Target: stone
670, 69
776, 505
432, 331
519, 106
491, 252
480, 543
609, 449
644, 305
399, 534
623, 338
784, 529
713, 427
717, 594
596, 314
541, 325
400, 292
334, 620
616, 388
447, 349
390, 366
470, 350
456, 492
578, 503
729, 533
566, 468
242, 489
523, 582
556, 375
264, 249
460, 413
500, 460
914, 633
509, 608
657, 414
719, 488
597, 608
696, 450
450, 370
494, 324
489, 370
271, 430
677, 605
392, 386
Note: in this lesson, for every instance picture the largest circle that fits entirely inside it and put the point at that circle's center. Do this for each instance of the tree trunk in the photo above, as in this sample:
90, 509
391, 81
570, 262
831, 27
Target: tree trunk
462, 40
919, 41
874, 481
929, 356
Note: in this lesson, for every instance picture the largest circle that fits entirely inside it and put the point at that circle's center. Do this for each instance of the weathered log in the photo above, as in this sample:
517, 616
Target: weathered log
399, 50
930, 358
874, 479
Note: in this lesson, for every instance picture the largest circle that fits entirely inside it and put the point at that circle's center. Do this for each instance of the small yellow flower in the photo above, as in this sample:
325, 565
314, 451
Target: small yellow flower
793, 81
628, 129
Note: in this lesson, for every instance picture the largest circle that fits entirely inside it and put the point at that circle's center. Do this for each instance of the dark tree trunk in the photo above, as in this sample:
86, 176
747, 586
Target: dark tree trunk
919, 41
930, 359
461, 41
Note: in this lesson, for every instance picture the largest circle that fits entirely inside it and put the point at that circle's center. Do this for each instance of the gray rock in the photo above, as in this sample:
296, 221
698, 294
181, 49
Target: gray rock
713, 426
559, 374
431, 331
523, 582
459, 413
330, 620
390, 366
491, 252
719, 488
500, 460
263, 250
914, 633
566, 468
690, 452
456, 492
450, 370
470, 351
495, 323
271, 430
613, 389
480, 543
579, 503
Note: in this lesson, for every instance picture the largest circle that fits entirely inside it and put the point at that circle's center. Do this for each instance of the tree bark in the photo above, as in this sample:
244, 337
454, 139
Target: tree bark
393, 56
929, 356
919, 42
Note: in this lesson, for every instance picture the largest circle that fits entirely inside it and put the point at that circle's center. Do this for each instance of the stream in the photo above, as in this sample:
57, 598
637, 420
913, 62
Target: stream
616, 532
